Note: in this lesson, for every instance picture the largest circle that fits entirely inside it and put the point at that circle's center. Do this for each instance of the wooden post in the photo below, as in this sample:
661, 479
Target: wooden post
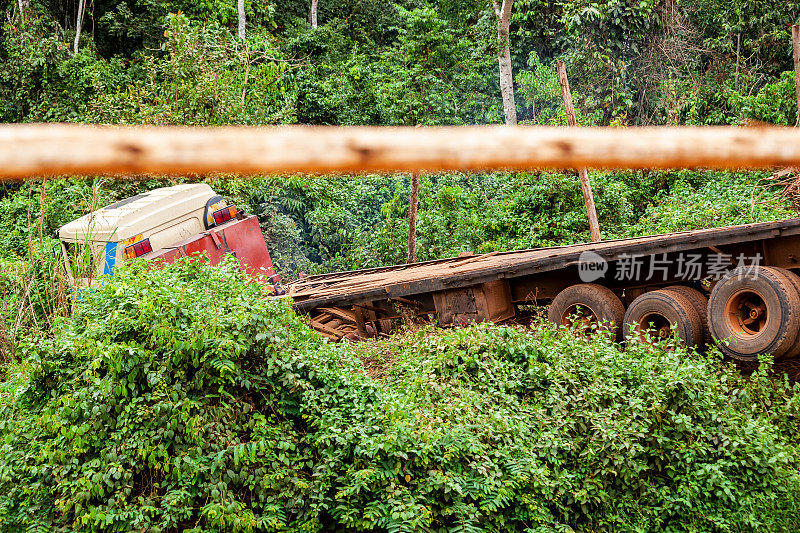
361, 326
796, 49
586, 187
412, 218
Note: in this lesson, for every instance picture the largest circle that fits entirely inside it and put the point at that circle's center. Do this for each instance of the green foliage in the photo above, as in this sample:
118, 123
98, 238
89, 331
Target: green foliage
433, 75
180, 398
432, 72
726, 199
36, 209
39, 79
483, 213
775, 103
307, 220
154, 408
540, 88
409, 62
205, 78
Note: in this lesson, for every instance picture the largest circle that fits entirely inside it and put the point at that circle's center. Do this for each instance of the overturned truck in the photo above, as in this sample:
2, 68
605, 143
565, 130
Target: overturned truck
734, 285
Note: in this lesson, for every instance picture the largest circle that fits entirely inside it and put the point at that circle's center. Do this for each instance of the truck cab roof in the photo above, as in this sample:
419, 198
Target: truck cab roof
138, 214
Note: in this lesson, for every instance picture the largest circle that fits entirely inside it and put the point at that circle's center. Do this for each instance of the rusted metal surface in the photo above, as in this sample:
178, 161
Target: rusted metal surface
490, 301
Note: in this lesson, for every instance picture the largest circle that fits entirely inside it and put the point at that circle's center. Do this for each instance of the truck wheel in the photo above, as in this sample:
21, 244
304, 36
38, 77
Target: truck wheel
757, 311
652, 315
700, 304
794, 351
586, 304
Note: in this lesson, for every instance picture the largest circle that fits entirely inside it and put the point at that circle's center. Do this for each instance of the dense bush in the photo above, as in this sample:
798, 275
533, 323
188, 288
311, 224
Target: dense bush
725, 198
182, 399
169, 400
505, 211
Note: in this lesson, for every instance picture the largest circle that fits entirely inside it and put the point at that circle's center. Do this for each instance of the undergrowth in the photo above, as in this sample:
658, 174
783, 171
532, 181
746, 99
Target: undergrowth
181, 399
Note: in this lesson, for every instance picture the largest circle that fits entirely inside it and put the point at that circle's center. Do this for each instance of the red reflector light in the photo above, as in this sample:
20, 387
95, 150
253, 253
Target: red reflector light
225, 214
138, 249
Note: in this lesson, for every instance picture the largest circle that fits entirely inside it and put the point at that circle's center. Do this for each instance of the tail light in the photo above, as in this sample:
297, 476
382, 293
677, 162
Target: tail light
138, 249
225, 214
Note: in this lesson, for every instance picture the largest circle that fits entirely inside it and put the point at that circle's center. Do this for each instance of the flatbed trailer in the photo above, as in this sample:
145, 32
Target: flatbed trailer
596, 282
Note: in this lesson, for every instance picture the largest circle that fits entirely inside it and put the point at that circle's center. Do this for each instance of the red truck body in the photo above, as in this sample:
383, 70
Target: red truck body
241, 238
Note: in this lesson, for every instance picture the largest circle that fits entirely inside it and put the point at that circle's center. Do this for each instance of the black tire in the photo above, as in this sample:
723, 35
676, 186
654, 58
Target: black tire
700, 304
596, 304
757, 311
794, 351
656, 312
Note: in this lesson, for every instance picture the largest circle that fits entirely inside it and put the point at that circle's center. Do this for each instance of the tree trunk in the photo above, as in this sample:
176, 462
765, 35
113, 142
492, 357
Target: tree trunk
738, 46
412, 218
503, 14
79, 24
240, 7
314, 13
22, 4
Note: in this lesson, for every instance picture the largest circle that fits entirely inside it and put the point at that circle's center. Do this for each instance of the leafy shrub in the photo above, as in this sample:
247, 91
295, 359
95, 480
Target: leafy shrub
206, 77
181, 399
540, 87
724, 199
775, 103
169, 400
553, 432
505, 211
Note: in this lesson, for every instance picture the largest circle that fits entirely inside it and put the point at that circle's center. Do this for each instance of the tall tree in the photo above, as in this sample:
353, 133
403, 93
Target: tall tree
503, 13
313, 13
23, 6
240, 7
79, 24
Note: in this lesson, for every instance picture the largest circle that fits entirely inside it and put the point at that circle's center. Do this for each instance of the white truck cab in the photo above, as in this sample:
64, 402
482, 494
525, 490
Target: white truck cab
93, 244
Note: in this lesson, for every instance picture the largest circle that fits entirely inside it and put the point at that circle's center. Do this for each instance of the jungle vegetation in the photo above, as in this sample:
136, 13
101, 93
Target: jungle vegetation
182, 399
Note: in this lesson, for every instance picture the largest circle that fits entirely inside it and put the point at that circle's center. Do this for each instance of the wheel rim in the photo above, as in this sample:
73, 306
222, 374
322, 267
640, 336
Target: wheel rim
578, 316
746, 314
654, 327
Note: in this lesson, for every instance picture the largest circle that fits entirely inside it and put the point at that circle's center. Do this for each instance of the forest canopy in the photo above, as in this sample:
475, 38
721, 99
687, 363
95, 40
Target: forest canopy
381, 62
